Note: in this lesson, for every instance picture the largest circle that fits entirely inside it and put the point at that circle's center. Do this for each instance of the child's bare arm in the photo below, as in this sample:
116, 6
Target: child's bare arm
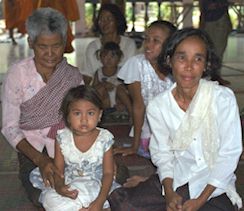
60, 186
108, 172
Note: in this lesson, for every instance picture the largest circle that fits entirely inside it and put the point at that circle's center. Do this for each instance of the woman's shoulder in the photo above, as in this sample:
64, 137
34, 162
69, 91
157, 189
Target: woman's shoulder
23, 69
224, 94
136, 59
164, 97
24, 64
130, 71
94, 44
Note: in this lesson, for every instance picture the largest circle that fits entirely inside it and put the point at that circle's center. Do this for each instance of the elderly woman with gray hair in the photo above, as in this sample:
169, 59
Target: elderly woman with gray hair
32, 93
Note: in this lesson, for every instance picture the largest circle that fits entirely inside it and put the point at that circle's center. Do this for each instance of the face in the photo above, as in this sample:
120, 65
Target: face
107, 22
154, 39
109, 59
48, 51
83, 117
188, 62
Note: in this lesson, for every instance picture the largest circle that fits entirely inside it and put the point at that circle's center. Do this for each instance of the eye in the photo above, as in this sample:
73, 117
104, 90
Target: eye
76, 113
57, 45
157, 41
91, 113
180, 57
200, 59
146, 39
42, 47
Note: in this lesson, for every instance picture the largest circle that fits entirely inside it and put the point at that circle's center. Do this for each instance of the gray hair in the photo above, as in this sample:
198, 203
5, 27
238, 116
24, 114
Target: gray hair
46, 21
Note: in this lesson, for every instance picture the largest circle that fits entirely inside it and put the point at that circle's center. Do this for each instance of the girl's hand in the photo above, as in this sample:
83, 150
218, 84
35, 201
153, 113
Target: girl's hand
109, 86
64, 190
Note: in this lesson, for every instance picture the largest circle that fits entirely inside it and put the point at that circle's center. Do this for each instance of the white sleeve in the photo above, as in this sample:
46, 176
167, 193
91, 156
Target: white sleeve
230, 147
91, 63
130, 71
159, 147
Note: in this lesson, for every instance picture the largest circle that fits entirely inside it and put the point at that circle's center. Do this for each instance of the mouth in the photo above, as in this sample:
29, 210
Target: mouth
187, 78
148, 51
49, 61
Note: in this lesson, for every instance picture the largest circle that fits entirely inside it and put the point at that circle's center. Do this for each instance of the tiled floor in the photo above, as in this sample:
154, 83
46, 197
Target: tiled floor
233, 70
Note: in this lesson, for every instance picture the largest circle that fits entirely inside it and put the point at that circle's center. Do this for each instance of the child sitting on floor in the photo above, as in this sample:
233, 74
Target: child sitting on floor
83, 153
112, 91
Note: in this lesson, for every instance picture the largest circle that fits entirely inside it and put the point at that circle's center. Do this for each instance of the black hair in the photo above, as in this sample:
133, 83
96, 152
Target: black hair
165, 25
170, 28
213, 62
118, 15
110, 46
80, 92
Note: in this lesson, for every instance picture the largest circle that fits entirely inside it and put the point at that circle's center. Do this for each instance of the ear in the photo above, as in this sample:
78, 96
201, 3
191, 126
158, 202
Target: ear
100, 115
168, 62
30, 42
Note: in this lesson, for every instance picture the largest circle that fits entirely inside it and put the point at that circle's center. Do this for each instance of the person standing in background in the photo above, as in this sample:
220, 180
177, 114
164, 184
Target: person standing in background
81, 28
111, 25
15, 13
215, 20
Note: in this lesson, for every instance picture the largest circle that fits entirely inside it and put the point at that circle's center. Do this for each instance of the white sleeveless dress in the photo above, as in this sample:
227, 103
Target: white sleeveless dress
83, 171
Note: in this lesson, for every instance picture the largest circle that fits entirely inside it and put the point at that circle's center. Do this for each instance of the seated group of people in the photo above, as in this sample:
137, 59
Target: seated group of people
188, 126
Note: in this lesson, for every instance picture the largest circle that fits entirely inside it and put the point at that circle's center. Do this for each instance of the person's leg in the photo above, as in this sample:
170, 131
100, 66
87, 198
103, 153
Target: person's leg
123, 96
25, 167
219, 33
219, 203
103, 93
146, 196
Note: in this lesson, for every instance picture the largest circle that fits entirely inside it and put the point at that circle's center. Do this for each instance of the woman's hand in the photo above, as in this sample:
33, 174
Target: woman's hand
192, 205
134, 181
65, 190
94, 206
173, 202
48, 169
125, 151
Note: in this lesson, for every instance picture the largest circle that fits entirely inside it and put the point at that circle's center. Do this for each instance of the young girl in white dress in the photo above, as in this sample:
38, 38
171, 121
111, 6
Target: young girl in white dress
83, 153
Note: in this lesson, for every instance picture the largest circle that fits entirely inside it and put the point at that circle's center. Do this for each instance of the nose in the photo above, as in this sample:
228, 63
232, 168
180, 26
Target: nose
49, 51
189, 65
83, 118
147, 43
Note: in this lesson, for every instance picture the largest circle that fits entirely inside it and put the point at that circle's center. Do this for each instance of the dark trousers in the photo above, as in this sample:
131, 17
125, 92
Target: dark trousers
25, 167
147, 196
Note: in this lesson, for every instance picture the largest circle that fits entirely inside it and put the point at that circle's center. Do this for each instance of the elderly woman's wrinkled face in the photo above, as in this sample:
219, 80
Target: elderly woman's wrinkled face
107, 22
48, 50
188, 62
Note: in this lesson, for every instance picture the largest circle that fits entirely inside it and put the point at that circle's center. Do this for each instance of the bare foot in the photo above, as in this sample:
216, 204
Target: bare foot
134, 181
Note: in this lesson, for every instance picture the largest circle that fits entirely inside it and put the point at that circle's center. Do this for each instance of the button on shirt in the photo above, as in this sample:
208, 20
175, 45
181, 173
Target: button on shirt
189, 166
